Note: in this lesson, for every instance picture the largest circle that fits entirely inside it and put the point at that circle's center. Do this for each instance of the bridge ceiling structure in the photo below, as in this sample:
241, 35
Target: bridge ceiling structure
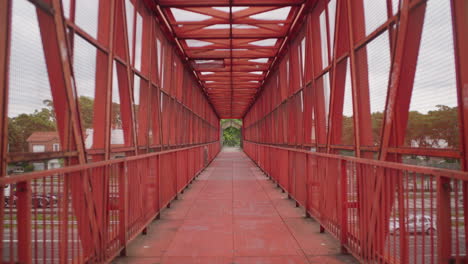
231, 46
358, 109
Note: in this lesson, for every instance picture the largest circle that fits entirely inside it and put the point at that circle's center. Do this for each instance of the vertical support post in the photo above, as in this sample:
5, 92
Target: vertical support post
103, 93
123, 207
400, 86
404, 254
5, 31
176, 169
444, 226
338, 76
102, 110
64, 213
24, 228
344, 206
158, 170
460, 29
59, 69
402, 73
308, 187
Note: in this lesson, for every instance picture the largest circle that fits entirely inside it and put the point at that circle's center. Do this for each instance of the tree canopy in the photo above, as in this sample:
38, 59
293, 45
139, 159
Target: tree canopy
22, 126
435, 129
231, 135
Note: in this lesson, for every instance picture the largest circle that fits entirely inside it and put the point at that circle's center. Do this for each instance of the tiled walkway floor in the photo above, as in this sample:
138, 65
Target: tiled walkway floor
233, 214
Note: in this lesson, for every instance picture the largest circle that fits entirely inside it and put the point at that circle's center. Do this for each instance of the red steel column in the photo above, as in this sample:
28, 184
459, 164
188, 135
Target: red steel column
362, 116
460, 29
344, 206
24, 222
125, 78
401, 81
5, 31
103, 89
360, 86
102, 109
338, 78
123, 210
53, 35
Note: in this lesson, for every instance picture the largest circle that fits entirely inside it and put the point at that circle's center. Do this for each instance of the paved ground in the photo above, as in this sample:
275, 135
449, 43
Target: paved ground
233, 215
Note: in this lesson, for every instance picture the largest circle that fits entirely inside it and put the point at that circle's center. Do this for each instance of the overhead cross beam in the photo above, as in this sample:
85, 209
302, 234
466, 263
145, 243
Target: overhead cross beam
230, 45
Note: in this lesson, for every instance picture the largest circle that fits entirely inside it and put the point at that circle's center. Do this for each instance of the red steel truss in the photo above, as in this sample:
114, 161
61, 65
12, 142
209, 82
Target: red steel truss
230, 45
335, 97
303, 106
157, 116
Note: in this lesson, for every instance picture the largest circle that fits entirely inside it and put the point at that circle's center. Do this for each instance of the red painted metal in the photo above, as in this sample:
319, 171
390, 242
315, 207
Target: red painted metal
24, 220
460, 26
323, 128
5, 28
88, 240
227, 48
177, 66
135, 195
332, 187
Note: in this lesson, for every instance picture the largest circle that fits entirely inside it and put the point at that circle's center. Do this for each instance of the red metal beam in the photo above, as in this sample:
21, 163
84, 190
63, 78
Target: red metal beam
460, 29
5, 40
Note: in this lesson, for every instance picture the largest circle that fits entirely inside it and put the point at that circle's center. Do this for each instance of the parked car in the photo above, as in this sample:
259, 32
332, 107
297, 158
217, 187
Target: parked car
414, 224
10, 201
39, 201
18, 170
9, 196
52, 200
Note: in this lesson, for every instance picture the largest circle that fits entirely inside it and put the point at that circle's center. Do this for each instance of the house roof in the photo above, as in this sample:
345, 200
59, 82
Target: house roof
116, 137
43, 136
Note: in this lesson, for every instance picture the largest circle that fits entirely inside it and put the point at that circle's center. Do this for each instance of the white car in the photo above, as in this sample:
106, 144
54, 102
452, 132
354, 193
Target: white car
414, 224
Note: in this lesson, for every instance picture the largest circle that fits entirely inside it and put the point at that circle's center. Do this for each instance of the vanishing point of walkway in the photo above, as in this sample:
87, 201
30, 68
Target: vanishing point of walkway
233, 214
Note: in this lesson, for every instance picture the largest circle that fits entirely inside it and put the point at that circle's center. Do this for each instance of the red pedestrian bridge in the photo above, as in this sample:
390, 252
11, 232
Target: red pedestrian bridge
353, 116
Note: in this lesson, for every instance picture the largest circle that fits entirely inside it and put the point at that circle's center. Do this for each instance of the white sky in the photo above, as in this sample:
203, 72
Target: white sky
434, 83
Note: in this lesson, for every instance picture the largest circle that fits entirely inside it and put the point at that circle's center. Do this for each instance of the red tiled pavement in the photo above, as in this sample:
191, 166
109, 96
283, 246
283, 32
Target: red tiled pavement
232, 214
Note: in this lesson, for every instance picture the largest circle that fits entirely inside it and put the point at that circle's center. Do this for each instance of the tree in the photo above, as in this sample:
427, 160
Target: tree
22, 126
436, 129
444, 122
86, 106
231, 135
377, 121
347, 131
418, 130
86, 111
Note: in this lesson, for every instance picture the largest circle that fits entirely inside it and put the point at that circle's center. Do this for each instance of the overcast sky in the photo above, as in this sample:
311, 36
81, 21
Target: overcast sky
434, 84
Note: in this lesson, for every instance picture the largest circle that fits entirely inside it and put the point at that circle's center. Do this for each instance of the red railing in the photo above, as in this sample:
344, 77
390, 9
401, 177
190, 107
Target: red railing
89, 213
382, 212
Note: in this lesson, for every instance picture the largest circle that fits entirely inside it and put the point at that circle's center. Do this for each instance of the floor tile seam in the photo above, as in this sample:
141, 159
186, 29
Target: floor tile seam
287, 227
